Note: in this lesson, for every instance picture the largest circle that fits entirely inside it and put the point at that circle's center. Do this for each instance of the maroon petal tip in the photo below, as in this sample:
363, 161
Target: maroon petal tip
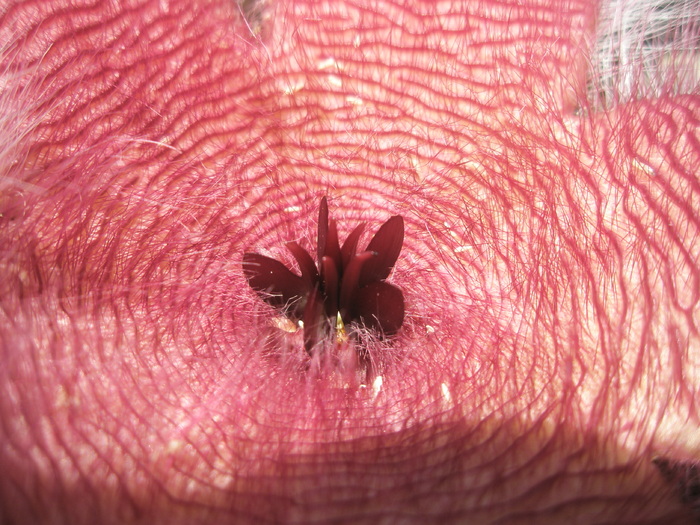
387, 243
349, 247
274, 282
309, 273
322, 229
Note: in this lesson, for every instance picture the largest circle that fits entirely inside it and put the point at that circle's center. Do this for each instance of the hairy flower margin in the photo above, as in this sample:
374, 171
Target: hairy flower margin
346, 288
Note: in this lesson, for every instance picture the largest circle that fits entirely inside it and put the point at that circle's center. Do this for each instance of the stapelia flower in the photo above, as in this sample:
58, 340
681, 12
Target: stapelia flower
343, 288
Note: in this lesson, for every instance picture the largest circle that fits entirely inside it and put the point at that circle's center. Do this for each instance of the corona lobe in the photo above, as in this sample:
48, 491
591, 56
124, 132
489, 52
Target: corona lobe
342, 288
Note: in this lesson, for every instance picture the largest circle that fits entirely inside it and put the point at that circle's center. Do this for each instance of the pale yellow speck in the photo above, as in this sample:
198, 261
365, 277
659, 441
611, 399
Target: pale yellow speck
289, 88
326, 63
643, 167
62, 399
284, 324
340, 335
173, 446
377, 386
446, 393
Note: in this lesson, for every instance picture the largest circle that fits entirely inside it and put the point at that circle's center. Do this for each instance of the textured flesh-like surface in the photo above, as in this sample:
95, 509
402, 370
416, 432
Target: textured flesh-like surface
550, 350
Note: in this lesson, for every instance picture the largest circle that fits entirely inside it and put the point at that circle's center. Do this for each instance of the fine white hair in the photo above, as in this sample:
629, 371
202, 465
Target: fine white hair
645, 48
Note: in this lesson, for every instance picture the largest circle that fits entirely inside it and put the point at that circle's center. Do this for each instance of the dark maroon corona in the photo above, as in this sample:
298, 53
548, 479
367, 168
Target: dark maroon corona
346, 288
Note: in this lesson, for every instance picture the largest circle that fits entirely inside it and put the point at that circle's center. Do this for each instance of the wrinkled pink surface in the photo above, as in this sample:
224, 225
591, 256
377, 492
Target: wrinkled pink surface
550, 348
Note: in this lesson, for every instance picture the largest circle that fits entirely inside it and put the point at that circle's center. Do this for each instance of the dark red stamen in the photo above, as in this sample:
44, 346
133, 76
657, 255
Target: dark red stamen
351, 280
344, 281
331, 285
350, 244
309, 273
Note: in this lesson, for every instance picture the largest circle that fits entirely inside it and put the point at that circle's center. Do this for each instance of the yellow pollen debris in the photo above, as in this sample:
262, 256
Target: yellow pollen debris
340, 335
